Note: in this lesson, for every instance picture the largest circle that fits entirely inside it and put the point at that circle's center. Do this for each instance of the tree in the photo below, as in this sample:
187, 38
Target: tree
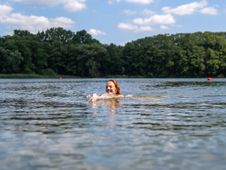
10, 61
82, 37
56, 35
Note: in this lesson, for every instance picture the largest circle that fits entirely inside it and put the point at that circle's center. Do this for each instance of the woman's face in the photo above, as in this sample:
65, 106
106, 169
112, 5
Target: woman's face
110, 88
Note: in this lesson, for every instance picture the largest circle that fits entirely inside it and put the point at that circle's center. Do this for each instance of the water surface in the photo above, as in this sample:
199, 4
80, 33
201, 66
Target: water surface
48, 124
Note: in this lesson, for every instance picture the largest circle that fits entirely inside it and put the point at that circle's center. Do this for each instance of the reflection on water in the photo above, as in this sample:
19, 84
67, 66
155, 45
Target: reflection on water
169, 124
111, 104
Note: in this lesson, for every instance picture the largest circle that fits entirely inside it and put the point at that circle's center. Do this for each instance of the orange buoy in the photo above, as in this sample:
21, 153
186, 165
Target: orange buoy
209, 78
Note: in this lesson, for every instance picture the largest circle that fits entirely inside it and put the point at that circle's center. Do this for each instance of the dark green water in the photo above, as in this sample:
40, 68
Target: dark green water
48, 124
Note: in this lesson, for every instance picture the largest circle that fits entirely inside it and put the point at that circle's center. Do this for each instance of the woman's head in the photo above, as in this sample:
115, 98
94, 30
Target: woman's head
112, 87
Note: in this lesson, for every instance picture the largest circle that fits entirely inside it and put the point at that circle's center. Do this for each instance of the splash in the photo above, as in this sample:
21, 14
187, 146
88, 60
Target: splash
94, 97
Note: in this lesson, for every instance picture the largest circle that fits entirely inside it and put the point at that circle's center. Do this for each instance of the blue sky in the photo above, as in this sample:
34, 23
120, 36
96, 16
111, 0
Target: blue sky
114, 21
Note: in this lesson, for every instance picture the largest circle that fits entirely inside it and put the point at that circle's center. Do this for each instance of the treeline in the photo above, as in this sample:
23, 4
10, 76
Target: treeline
57, 51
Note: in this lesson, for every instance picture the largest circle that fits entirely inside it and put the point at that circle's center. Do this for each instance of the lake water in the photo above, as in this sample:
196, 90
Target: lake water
169, 124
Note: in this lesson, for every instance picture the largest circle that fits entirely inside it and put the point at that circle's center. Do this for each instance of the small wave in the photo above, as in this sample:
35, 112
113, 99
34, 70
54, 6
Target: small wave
148, 97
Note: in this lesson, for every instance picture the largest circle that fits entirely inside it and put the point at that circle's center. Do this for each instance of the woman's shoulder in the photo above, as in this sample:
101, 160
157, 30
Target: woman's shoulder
118, 96
106, 95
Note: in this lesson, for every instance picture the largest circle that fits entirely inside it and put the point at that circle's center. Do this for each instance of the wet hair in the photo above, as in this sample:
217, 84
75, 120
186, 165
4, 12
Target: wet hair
118, 91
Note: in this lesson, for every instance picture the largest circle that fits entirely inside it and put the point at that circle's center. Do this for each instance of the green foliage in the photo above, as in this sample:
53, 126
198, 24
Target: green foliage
9, 61
56, 35
57, 51
82, 37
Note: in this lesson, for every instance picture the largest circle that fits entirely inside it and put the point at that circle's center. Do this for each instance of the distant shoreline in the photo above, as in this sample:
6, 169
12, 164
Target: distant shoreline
20, 75
24, 76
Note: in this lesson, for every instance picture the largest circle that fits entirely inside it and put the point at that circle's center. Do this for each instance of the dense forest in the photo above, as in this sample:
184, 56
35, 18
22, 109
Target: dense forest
57, 51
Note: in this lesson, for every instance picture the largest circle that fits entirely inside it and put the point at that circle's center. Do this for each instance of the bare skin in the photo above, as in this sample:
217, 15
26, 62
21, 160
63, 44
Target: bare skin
112, 92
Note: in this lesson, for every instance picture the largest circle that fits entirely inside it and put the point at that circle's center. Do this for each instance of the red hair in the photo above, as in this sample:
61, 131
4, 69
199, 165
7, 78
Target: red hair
118, 91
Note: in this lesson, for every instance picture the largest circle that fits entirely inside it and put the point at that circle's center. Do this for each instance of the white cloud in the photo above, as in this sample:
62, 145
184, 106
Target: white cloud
39, 2
70, 5
5, 10
155, 20
209, 11
95, 32
140, 1
149, 23
186, 9
132, 1
60, 22
127, 26
75, 5
133, 27
31, 22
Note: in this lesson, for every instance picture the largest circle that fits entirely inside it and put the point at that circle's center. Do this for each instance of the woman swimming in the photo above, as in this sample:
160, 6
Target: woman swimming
112, 91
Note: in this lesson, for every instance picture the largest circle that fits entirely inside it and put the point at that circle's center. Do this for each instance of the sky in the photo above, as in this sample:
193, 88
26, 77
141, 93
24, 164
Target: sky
114, 21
